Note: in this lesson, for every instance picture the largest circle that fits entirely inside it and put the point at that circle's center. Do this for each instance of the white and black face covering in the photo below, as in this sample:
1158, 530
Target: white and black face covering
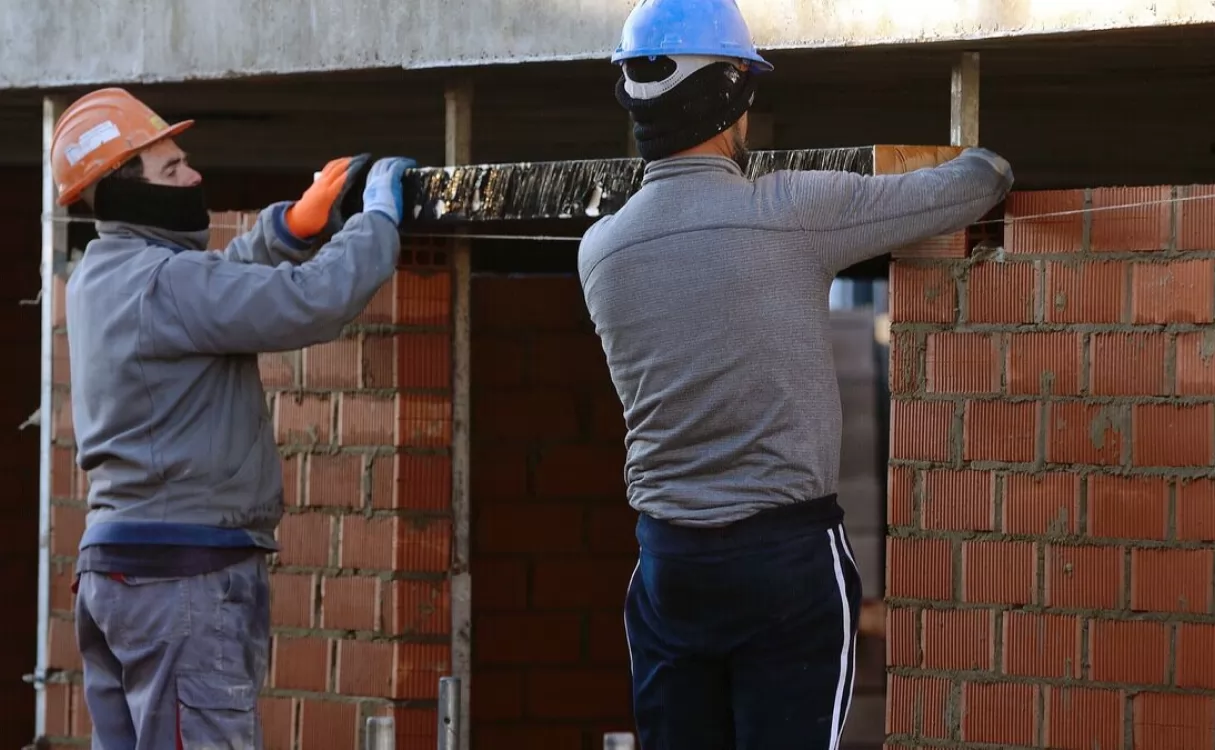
680, 102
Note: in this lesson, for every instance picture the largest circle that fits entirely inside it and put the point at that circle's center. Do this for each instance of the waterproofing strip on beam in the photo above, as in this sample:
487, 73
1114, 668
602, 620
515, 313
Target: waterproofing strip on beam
588, 189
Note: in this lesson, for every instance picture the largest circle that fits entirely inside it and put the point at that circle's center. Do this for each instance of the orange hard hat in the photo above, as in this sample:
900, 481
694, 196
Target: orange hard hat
97, 134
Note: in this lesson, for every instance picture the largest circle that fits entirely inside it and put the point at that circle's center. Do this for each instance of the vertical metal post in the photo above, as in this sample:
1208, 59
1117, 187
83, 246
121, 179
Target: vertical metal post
54, 240
964, 101
450, 726
459, 98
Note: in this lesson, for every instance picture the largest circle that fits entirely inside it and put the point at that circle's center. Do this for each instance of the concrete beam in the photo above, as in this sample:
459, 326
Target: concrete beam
93, 42
589, 189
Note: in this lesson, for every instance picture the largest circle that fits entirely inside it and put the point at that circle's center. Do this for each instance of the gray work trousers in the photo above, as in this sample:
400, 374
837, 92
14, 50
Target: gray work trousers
175, 662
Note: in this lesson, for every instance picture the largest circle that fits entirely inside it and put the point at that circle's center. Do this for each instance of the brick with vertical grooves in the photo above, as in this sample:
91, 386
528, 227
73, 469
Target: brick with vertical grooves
958, 639
1138, 228
425, 481
365, 668
378, 361
987, 718
1111, 354
1196, 217
424, 545
919, 569
301, 663
1002, 292
349, 603
901, 647
292, 601
1084, 292
921, 430
900, 488
1062, 233
961, 363
332, 365
1133, 652
1001, 431
959, 500
328, 726
923, 294
424, 421
1041, 645
1083, 577
304, 539
1171, 580
419, 667
1196, 363
1177, 292
1083, 718
366, 419
304, 419
917, 705
1173, 722
1043, 363
1196, 656
904, 362
1168, 435
1079, 433
422, 607
292, 482
1196, 510
999, 572
335, 481
423, 299
1127, 507
424, 360
1045, 505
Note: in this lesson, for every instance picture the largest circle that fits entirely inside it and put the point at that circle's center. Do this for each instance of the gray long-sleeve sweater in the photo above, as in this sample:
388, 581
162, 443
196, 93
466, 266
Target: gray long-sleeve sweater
710, 295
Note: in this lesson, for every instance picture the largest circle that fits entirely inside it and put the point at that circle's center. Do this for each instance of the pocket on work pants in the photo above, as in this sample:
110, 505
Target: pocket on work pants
216, 711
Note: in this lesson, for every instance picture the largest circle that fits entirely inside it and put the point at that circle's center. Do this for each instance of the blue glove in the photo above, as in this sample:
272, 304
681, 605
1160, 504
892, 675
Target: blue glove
383, 193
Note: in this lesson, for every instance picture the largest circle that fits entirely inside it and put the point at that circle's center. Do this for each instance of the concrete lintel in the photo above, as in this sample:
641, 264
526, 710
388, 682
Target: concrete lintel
582, 190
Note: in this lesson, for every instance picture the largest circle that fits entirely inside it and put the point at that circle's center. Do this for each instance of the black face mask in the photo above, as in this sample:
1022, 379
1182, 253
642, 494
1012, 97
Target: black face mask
177, 209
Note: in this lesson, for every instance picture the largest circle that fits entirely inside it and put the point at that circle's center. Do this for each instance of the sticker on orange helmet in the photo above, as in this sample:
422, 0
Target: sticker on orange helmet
91, 140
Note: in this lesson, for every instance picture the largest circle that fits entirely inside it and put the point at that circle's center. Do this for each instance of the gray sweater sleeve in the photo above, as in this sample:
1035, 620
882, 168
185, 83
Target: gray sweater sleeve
856, 217
204, 304
269, 242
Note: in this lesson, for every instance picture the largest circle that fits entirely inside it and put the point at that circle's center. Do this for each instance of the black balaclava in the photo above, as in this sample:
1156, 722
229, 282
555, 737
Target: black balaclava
699, 107
134, 201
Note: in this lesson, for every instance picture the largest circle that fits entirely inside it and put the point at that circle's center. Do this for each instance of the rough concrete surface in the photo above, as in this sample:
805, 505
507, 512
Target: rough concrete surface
89, 42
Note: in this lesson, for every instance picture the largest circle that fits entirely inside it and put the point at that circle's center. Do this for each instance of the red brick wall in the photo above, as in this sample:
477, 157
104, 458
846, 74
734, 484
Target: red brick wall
361, 608
1050, 560
552, 536
20, 339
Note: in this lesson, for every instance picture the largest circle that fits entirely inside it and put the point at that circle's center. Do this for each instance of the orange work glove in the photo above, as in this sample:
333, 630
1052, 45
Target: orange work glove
316, 208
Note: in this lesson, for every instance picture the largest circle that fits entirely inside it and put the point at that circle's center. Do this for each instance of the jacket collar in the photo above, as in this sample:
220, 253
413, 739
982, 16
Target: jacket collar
177, 241
679, 166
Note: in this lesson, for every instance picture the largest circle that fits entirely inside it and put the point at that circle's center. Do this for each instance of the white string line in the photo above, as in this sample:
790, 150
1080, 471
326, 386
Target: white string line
559, 238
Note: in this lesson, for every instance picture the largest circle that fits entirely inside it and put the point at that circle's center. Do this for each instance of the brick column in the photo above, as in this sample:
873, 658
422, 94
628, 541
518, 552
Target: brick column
1049, 570
361, 597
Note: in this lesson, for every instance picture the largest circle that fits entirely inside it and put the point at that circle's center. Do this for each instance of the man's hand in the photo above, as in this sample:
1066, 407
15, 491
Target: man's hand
383, 193
313, 211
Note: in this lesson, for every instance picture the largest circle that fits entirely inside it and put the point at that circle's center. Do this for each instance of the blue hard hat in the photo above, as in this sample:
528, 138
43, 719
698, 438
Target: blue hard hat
688, 27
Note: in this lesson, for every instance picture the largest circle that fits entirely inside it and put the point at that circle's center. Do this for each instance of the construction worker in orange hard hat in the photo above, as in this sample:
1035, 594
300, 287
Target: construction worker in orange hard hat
185, 479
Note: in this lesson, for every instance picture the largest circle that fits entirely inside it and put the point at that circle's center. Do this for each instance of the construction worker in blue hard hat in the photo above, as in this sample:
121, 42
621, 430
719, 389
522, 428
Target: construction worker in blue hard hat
709, 292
